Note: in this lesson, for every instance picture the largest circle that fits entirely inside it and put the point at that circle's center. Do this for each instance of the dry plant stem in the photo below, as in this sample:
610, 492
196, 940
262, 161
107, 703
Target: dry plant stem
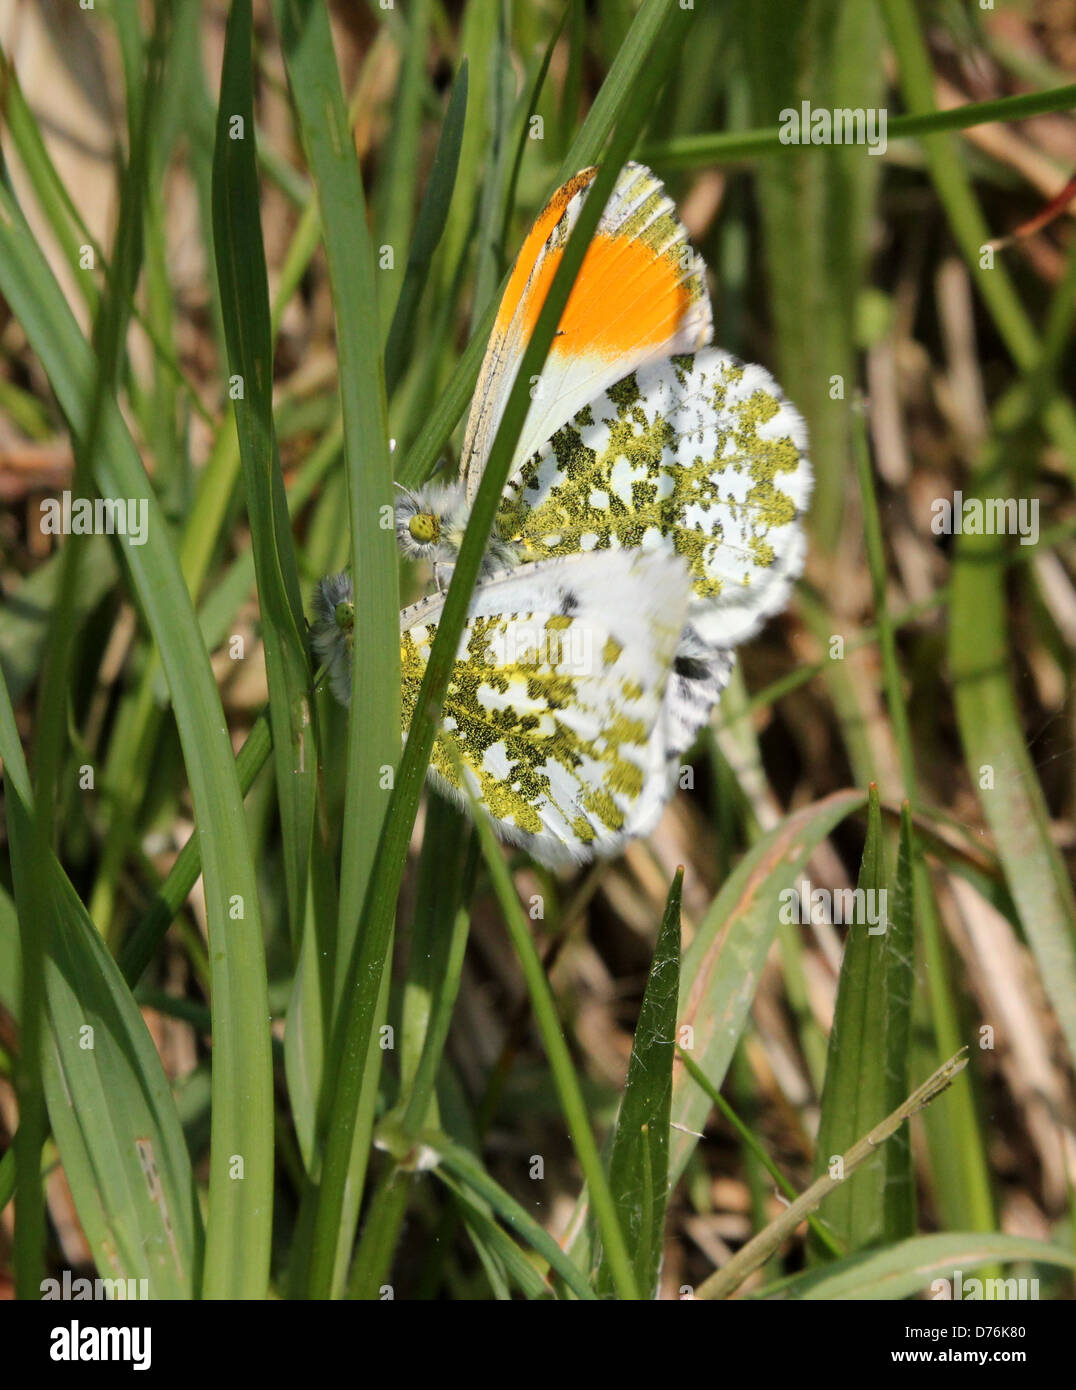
758, 1250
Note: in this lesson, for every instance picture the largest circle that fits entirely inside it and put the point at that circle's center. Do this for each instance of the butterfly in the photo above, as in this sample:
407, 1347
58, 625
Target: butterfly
658, 487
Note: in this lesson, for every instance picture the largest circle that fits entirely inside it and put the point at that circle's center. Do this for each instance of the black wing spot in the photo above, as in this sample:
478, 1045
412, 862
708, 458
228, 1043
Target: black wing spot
690, 668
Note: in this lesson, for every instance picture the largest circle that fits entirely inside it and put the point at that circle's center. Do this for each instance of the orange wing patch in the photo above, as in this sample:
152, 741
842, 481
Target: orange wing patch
531, 249
640, 295
632, 291
626, 298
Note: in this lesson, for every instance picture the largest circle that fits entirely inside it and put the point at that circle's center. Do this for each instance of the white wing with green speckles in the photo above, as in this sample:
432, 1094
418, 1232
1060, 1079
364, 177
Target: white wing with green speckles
553, 720
699, 455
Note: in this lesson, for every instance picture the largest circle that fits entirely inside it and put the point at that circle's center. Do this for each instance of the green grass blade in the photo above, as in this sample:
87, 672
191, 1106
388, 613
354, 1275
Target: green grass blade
372, 1264
726, 1280
420, 458
25, 614
628, 72
438, 941
823, 211
958, 1144
142, 943
51, 192
244, 290
956, 1138
569, 95
899, 986
466, 1169
477, 40
499, 1253
625, 74
754, 1146
307, 1037
10, 957
1000, 766
526, 106
374, 721
36, 828
66, 221
116, 1125
398, 178
639, 1162
721, 967
613, 1234
696, 151
24, 1172
373, 743
865, 1080
432, 217
911, 1266
238, 1224
489, 250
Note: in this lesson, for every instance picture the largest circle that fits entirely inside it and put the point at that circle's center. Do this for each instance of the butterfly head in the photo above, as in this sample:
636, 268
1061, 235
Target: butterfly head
424, 528
333, 630
430, 522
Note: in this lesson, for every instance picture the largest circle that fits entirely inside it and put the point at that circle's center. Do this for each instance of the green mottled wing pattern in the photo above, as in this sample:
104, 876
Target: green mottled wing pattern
699, 455
552, 719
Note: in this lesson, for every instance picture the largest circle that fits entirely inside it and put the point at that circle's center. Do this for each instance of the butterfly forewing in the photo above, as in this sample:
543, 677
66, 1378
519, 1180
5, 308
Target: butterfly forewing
640, 295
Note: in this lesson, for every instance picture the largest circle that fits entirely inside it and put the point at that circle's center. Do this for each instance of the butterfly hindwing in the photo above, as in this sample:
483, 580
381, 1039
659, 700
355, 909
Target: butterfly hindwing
640, 295
552, 718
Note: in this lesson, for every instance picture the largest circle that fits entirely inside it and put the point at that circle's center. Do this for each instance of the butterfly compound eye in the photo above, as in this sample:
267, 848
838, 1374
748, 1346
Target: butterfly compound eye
424, 527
